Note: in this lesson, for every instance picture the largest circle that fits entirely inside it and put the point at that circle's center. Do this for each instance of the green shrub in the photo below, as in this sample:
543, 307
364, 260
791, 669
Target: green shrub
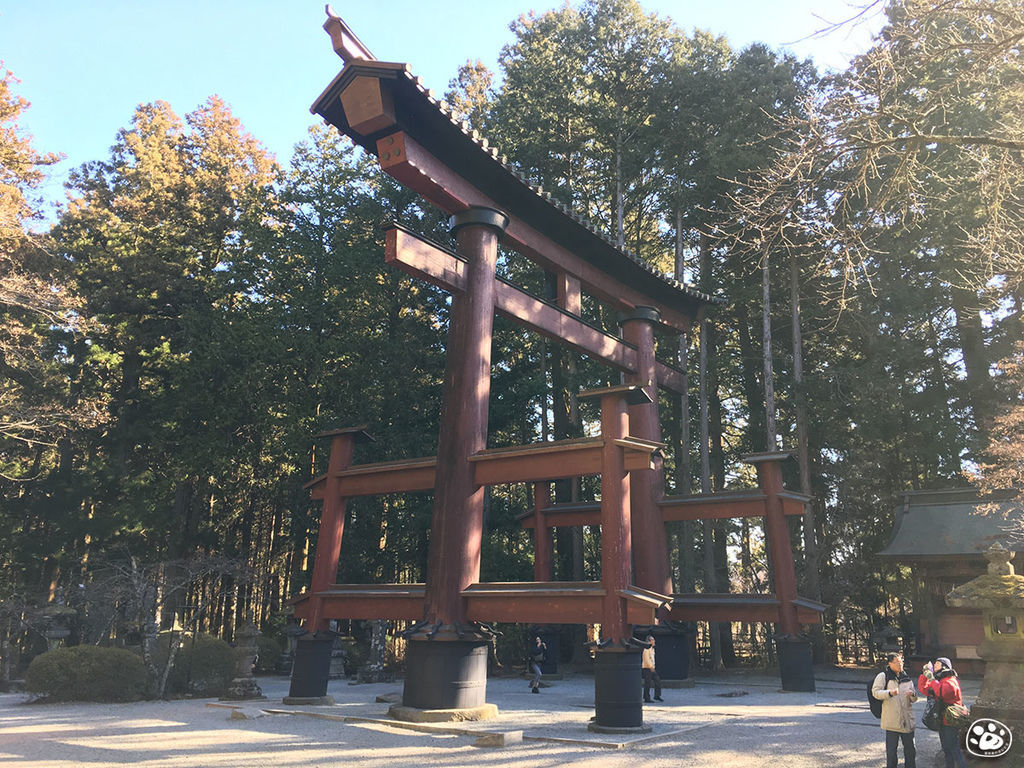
87, 673
203, 666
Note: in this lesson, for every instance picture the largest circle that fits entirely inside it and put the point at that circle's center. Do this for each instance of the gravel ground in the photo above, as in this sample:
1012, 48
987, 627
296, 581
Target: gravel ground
734, 721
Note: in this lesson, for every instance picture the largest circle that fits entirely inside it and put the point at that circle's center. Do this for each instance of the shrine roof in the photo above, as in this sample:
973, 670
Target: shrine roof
432, 123
931, 524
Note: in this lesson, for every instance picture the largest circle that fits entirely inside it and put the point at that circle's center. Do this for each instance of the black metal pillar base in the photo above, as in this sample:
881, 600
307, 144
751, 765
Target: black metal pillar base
445, 672
618, 690
671, 652
312, 666
796, 666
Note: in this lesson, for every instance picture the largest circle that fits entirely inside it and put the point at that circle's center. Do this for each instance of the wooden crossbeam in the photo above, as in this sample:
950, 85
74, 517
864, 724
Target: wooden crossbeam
555, 602
707, 506
547, 603
444, 268
739, 607
555, 460
565, 515
794, 503
531, 463
364, 601
402, 476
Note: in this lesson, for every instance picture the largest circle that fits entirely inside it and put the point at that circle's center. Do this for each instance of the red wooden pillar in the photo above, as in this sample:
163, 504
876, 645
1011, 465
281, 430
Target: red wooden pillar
616, 541
616, 548
542, 539
647, 486
769, 475
456, 530
332, 520
569, 295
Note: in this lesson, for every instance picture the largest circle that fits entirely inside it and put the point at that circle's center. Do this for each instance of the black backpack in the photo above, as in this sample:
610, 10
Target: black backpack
875, 704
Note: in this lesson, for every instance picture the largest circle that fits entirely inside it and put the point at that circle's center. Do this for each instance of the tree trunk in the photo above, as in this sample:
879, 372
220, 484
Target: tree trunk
949, 455
811, 567
705, 454
620, 227
752, 389
771, 430
705, 486
722, 579
976, 360
684, 533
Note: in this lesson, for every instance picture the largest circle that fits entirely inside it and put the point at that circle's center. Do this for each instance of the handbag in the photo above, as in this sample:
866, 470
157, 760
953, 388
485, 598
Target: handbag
931, 718
957, 716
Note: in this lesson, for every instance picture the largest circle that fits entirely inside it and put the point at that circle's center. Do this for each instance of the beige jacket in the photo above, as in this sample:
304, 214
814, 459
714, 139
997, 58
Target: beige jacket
647, 658
897, 712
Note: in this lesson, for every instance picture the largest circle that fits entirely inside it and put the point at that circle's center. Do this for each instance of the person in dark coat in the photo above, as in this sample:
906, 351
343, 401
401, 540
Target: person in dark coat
538, 655
940, 679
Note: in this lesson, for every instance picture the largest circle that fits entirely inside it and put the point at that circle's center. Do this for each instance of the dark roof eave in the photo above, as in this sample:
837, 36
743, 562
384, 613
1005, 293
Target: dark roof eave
428, 121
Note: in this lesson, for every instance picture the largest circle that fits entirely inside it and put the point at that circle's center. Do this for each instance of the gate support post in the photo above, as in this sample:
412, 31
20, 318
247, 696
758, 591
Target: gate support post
647, 486
618, 703
445, 651
312, 662
794, 650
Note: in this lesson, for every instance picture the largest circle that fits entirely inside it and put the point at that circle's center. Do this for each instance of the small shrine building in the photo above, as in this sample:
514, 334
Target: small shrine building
942, 536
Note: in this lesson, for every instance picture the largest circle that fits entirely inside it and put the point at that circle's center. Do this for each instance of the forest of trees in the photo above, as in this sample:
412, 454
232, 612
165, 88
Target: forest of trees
171, 344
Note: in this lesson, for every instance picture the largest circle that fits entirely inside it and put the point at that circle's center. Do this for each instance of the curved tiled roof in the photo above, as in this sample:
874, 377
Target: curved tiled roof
953, 523
433, 124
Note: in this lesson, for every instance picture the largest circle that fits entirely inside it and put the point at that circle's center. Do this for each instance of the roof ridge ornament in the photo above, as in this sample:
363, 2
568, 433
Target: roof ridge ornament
346, 44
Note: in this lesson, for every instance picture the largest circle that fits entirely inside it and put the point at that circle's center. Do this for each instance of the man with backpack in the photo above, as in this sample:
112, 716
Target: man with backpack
895, 690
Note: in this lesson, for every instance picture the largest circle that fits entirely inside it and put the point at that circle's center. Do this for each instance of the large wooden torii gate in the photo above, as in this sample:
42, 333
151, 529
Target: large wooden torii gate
384, 109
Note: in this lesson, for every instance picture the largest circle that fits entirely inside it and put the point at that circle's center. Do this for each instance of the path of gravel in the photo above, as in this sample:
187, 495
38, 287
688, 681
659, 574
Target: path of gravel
753, 726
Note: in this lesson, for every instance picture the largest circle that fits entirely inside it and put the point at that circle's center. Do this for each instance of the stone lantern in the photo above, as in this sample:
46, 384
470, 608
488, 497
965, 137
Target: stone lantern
244, 687
1000, 596
56, 619
293, 633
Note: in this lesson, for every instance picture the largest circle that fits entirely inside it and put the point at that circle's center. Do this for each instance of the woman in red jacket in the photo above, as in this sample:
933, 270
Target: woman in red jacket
940, 680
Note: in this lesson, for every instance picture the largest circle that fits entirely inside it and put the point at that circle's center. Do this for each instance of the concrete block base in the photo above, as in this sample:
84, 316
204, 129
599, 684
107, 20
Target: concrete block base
499, 739
595, 728
416, 715
246, 714
309, 701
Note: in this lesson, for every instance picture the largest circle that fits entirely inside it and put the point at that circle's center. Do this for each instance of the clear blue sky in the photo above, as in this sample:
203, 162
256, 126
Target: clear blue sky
85, 64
